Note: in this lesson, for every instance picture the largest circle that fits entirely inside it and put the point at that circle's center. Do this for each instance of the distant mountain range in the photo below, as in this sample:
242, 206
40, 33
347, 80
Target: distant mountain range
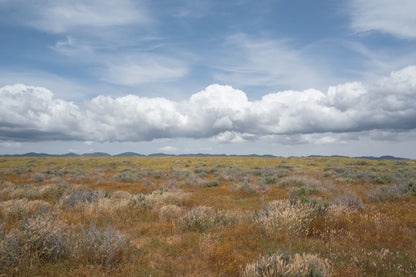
133, 154
387, 157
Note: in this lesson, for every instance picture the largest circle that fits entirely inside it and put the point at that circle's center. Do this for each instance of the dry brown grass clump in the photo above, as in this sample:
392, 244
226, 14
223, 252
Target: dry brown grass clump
202, 218
17, 209
285, 216
33, 191
284, 265
170, 212
159, 198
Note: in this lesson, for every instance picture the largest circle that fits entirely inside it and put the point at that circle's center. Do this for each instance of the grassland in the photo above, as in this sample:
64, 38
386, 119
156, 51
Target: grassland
211, 216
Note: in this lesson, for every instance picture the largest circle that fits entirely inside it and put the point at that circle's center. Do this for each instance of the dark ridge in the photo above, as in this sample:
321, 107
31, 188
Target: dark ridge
332, 156
39, 155
133, 154
255, 156
160, 155
388, 157
68, 155
96, 154
201, 155
129, 154
31, 154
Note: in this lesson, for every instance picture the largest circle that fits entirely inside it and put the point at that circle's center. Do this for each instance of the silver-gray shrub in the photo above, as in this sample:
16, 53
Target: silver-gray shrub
38, 177
36, 238
299, 181
350, 200
127, 175
107, 247
247, 187
82, 196
387, 192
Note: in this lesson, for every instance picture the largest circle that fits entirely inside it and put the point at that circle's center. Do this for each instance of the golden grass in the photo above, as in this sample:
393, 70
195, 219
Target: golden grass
281, 264
213, 216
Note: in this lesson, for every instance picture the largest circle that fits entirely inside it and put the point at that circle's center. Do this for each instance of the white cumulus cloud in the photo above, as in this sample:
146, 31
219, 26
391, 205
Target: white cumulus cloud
219, 112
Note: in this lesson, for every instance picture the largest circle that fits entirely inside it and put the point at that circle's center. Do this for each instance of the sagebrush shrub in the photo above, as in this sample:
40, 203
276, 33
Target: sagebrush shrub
411, 188
120, 195
36, 239
211, 183
82, 196
348, 200
247, 187
299, 181
303, 192
106, 206
38, 177
386, 192
202, 218
107, 247
127, 175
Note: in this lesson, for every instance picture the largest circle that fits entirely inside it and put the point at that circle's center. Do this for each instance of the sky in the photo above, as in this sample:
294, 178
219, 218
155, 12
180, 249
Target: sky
288, 78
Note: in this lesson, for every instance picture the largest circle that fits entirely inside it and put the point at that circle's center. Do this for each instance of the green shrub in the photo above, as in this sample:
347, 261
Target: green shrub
303, 192
126, 175
411, 189
244, 186
269, 180
212, 183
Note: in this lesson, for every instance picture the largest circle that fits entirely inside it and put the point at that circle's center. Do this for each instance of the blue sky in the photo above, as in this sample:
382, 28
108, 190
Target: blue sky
276, 77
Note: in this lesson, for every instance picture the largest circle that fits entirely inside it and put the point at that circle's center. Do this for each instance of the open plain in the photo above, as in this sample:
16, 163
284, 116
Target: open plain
207, 216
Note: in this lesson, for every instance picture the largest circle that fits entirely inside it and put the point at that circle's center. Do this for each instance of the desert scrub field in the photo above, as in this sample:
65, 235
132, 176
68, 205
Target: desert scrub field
216, 216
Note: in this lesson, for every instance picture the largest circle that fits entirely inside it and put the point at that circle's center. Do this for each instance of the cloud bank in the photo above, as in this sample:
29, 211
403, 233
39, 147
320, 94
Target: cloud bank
220, 112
